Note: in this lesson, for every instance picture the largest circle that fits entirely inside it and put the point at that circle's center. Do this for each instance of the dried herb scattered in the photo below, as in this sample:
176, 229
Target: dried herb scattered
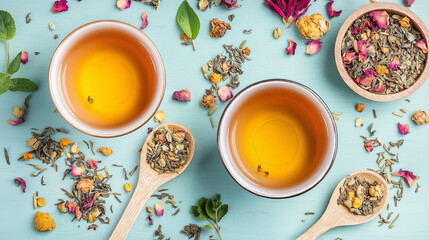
153, 3
20, 182
231, 17
192, 231
168, 151
360, 196
133, 171
219, 28
211, 210
28, 18
6, 155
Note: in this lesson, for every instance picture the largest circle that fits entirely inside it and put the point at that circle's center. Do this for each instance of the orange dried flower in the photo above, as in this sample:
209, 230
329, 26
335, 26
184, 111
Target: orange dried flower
405, 22
381, 69
105, 150
28, 156
41, 202
208, 100
219, 28
64, 143
246, 51
360, 107
184, 37
44, 222
215, 78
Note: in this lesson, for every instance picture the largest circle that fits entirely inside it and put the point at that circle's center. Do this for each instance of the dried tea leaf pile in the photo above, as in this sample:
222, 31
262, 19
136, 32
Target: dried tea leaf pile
360, 196
384, 52
168, 151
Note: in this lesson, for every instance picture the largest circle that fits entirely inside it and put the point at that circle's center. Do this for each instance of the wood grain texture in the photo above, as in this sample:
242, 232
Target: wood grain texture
250, 217
337, 215
391, 8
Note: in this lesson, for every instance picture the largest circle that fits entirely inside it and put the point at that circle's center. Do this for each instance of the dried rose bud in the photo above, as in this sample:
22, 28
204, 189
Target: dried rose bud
159, 209
24, 57
183, 95
225, 93
123, 4
77, 171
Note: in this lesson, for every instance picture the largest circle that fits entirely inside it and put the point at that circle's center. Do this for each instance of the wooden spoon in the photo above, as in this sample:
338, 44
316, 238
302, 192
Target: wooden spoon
149, 180
338, 215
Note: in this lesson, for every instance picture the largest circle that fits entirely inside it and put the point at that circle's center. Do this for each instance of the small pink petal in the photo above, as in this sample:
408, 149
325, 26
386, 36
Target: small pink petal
145, 22
363, 51
123, 4
410, 2
369, 146
291, 48
348, 59
15, 123
78, 213
313, 47
24, 56
367, 78
358, 30
381, 18
409, 176
93, 164
183, 95
379, 87
77, 171
150, 217
332, 12
225, 93
395, 63
404, 129
20, 182
60, 6
230, 4
71, 206
159, 209
422, 45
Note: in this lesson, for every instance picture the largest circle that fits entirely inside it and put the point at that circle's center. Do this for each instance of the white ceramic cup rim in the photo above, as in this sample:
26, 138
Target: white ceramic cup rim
56, 83
227, 156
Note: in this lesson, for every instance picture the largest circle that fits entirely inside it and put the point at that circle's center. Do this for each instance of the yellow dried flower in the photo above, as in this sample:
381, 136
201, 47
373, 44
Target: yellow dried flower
62, 208
313, 26
128, 187
44, 222
420, 117
160, 116
215, 78
105, 150
208, 100
65, 142
41, 202
381, 69
28, 156
405, 22
357, 203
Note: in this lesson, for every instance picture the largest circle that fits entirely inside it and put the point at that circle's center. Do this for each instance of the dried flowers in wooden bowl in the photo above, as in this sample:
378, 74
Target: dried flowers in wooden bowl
381, 52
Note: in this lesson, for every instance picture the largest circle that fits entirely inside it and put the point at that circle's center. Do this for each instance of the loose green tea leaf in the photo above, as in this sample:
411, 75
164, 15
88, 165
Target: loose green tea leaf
7, 26
15, 64
4, 83
188, 20
22, 85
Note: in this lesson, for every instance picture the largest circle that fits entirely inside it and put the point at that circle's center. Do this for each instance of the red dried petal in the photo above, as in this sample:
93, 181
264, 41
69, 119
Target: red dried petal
381, 18
60, 6
20, 182
291, 48
369, 146
332, 12
24, 56
15, 123
404, 129
409, 176
145, 22
410, 2
123, 4
313, 47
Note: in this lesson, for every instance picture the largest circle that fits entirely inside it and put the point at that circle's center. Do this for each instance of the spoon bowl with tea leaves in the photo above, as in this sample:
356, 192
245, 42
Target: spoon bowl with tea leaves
166, 153
346, 206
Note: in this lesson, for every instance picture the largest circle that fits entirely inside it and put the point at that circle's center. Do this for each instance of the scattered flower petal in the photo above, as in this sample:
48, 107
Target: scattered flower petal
363, 51
290, 11
24, 56
422, 45
183, 95
145, 22
291, 48
348, 59
77, 171
60, 6
230, 4
395, 63
128, 187
159, 209
381, 69
332, 12
379, 87
405, 22
313, 47
64, 143
27, 156
150, 217
71, 206
410, 2
404, 129
160, 116
41, 202
358, 30
78, 213
62, 208
225, 93
123, 4
208, 100
15, 123
93, 164
20, 182
381, 18
409, 176
367, 78
106, 151
369, 146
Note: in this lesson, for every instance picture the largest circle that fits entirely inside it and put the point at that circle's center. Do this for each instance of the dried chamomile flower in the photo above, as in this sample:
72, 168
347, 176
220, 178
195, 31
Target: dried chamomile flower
160, 116
313, 26
420, 117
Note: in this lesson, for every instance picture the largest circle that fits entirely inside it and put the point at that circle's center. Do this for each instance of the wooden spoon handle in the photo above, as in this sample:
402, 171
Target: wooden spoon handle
325, 223
141, 194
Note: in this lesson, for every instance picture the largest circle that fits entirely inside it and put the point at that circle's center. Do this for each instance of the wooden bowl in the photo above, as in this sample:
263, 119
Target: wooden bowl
391, 8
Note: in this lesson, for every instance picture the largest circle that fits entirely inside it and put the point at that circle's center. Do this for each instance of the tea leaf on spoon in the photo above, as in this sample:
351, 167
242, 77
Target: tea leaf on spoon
188, 20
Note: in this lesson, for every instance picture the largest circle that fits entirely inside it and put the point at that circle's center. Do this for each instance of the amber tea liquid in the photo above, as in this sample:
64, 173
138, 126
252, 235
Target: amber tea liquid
281, 131
110, 78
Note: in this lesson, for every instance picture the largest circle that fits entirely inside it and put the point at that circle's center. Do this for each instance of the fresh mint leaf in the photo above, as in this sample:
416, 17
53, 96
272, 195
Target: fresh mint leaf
4, 83
211, 213
199, 210
7, 26
209, 227
22, 85
223, 210
188, 20
15, 64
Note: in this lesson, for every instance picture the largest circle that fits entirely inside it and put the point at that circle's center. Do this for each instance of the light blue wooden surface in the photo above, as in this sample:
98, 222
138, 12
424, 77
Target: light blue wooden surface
250, 216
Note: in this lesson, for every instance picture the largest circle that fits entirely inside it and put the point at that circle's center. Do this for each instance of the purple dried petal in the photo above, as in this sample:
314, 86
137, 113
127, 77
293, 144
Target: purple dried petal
20, 182
332, 12
15, 123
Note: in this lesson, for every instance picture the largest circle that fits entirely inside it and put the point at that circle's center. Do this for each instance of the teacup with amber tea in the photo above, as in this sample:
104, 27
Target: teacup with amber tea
277, 138
107, 78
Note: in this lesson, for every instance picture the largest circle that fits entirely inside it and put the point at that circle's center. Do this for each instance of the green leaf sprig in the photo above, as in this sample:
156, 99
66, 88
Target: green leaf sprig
211, 210
7, 32
188, 20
